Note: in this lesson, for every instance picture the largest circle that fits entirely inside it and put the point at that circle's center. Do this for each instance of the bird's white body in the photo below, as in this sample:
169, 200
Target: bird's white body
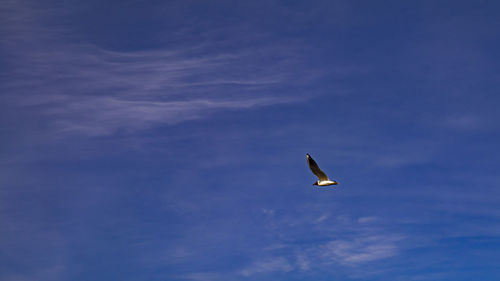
326, 183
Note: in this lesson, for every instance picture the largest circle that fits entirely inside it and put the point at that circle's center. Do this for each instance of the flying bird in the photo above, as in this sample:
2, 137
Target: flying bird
323, 180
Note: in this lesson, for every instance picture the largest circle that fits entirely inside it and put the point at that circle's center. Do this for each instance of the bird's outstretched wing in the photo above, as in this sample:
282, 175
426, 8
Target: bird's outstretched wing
315, 169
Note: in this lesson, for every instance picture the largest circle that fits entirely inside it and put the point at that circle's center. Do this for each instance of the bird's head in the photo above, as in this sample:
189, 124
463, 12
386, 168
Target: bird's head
315, 183
335, 182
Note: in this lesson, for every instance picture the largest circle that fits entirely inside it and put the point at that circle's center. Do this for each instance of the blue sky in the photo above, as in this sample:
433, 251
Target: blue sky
166, 140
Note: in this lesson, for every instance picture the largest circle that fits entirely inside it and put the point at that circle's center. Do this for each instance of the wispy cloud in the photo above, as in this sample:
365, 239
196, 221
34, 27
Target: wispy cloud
79, 88
368, 243
361, 249
105, 115
278, 264
303, 263
463, 122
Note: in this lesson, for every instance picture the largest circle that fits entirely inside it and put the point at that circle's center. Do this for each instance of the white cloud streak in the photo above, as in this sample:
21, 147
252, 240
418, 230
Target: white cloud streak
79, 88
105, 115
361, 249
278, 264
368, 243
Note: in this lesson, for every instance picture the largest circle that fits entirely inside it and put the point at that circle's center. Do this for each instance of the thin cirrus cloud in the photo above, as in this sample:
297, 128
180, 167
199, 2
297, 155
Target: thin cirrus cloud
94, 92
369, 243
279, 264
367, 246
104, 116
80, 88
362, 249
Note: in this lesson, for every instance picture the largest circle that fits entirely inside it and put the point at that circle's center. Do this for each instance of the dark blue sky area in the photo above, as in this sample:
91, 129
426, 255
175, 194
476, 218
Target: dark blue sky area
166, 140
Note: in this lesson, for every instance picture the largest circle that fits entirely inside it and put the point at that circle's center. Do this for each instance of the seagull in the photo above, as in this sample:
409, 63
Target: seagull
323, 180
